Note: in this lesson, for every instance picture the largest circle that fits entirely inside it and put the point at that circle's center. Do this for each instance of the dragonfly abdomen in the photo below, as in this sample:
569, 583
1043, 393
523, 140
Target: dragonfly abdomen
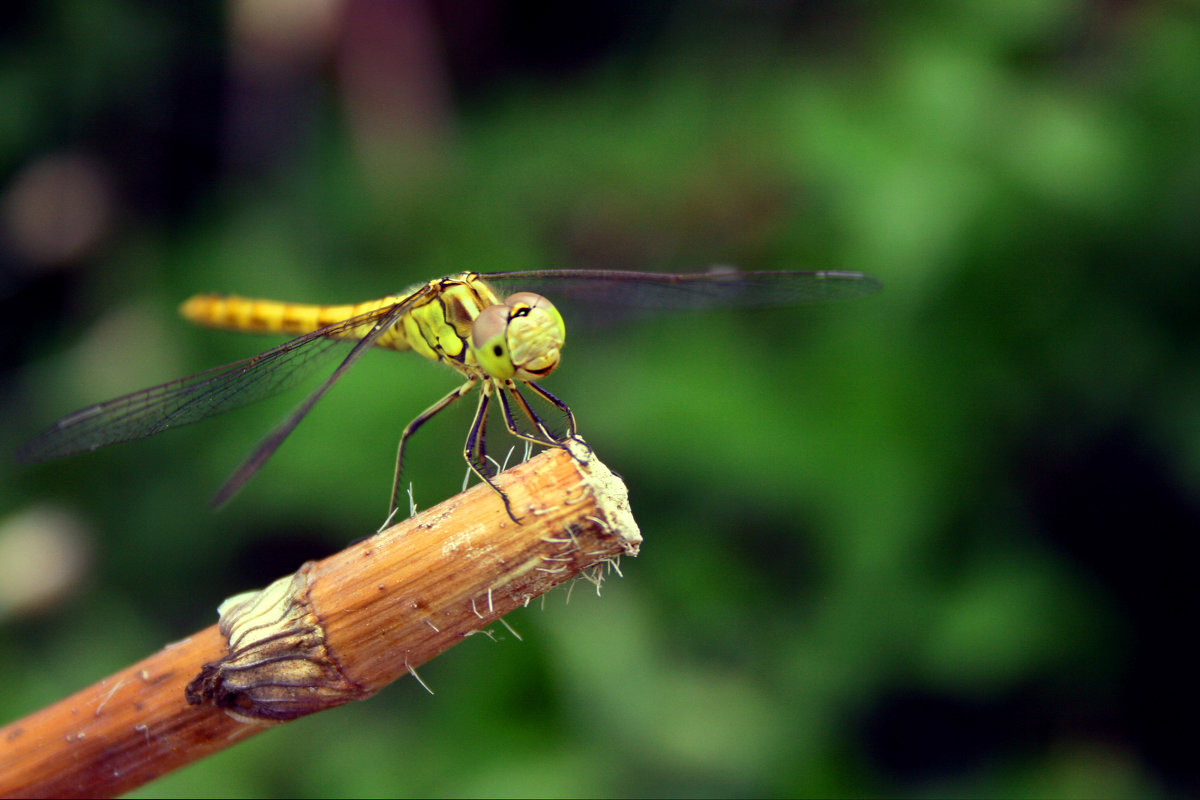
229, 312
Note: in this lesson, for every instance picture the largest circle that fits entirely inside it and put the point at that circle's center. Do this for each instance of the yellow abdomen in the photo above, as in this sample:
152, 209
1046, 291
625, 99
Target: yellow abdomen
273, 316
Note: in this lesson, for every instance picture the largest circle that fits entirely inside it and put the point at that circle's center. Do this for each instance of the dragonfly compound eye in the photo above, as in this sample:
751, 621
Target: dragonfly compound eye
522, 338
536, 334
489, 341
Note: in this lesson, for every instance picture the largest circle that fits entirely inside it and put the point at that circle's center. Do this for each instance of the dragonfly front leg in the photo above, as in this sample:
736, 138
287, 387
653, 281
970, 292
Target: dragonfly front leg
411, 428
542, 434
560, 405
550, 439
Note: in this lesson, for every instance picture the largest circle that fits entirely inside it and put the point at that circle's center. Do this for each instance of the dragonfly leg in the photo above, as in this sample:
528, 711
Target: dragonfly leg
476, 447
572, 432
542, 436
475, 450
412, 427
559, 404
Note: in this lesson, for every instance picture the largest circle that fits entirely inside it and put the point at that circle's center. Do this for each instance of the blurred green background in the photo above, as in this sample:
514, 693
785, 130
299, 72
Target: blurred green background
926, 543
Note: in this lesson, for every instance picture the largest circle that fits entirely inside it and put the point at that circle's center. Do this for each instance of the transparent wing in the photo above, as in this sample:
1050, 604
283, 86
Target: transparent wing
600, 296
383, 320
205, 394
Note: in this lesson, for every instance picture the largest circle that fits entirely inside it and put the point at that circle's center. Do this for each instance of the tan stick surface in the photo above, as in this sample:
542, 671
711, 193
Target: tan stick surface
346, 626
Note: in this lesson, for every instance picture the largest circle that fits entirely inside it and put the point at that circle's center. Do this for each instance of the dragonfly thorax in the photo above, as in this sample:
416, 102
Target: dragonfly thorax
523, 338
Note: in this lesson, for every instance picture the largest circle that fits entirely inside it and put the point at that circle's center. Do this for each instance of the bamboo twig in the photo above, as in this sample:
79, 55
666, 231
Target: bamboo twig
338, 630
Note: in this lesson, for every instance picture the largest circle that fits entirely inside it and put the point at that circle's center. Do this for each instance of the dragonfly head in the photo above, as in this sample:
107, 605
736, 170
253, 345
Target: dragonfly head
521, 339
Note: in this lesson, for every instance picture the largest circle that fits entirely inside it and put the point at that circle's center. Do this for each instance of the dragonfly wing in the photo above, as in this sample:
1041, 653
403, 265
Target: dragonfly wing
269, 445
199, 396
600, 296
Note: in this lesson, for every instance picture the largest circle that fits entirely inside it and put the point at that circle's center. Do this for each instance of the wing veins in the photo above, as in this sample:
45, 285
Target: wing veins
628, 293
271, 443
184, 401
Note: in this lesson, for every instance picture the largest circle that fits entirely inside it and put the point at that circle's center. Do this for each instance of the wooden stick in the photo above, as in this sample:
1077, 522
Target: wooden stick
338, 630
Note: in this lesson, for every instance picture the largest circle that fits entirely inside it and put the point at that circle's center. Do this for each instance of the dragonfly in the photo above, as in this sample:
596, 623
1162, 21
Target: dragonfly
497, 330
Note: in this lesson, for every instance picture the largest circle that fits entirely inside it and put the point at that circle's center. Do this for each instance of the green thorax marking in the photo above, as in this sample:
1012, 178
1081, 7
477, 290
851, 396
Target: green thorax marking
438, 326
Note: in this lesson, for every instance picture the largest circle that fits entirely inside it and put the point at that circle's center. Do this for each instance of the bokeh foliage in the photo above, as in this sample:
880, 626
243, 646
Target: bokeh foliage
927, 543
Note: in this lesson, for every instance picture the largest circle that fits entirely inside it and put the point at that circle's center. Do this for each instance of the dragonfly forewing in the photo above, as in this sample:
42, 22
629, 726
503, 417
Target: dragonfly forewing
200, 396
600, 297
384, 319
